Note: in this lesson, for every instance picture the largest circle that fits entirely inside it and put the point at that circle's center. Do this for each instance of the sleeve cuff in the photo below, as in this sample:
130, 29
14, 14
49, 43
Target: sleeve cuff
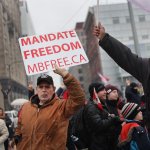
104, 39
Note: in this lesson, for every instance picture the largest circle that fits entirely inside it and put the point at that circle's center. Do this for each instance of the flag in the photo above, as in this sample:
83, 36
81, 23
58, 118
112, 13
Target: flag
103, 78
97, 100
143, 4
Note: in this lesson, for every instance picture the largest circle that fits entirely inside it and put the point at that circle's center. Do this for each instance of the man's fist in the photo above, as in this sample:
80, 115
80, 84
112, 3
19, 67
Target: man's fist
61, 71
99, 31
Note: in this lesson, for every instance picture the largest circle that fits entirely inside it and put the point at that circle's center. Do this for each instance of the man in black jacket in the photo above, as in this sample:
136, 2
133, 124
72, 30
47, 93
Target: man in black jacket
99, 122
122, 55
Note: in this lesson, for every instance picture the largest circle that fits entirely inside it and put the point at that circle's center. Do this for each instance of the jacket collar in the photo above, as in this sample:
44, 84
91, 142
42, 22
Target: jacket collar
35, 100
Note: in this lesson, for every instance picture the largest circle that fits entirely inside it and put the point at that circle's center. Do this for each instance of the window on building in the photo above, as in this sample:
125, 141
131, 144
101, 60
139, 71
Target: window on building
81, 78
116, 20
80, 70
148, 47
127, 19
142, 18
144, 37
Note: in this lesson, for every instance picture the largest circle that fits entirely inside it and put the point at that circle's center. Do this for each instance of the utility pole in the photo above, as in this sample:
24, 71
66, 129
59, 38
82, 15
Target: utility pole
134, 31
97, 12
5, 94
10, 83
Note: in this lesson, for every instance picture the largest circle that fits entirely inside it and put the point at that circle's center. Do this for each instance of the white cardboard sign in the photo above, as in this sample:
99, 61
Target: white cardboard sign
41, 52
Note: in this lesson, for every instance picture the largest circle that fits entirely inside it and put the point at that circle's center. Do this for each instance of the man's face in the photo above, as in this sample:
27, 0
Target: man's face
113, 95
102, 94
45, 91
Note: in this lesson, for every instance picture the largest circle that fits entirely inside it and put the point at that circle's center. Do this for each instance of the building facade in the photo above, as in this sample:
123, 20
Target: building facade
13, 79
117, 21
27, 29
82, 72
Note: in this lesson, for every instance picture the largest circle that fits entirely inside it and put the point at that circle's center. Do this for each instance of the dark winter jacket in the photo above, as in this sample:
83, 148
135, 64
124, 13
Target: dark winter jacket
100, 126
10, 126
136, 66
135, 136
113, 109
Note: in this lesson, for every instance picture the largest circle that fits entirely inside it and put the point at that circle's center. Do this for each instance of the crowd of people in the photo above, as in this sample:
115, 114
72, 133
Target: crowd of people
66, 120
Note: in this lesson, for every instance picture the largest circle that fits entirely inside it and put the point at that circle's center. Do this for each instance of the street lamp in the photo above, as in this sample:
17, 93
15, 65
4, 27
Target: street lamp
7, 87
5, 95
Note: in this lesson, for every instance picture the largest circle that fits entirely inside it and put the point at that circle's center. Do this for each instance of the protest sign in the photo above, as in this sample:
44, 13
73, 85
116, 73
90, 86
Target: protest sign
41, 52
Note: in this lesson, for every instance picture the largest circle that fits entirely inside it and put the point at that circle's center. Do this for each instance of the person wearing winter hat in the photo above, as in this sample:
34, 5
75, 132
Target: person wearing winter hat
43, 121
112, 99
130, 110
98, 86
97, 118
134, 133
132, 94
109, 88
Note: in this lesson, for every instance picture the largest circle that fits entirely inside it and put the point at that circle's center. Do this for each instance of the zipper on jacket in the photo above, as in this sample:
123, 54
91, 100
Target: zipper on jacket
33, 132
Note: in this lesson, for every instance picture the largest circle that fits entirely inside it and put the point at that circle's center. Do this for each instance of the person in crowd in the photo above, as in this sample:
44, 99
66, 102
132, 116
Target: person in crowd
10, 127
62, 92
137, 66
43, 122
112, 100
3, 134
2, 114
133, 134
31, 91
98, 120
132, 93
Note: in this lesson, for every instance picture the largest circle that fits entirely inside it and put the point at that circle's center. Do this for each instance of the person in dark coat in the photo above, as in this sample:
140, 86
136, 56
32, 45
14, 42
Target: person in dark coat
137, 66
112, 99
132, 94
31, 91
133, 134
99, 122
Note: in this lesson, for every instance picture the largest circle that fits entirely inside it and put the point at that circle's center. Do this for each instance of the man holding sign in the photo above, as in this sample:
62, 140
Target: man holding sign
43, 122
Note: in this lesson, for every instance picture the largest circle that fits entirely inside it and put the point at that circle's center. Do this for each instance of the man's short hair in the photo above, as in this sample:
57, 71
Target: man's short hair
45, 78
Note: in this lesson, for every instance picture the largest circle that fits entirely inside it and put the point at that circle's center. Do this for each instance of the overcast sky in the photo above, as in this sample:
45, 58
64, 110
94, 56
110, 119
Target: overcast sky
58, 15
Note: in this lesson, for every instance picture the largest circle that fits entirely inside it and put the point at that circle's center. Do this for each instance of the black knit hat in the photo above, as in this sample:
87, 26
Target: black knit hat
45, 78
98, 87
133, 85
130, 110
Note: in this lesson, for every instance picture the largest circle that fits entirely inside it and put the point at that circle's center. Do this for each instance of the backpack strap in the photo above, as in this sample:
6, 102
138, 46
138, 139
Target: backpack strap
139, 130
